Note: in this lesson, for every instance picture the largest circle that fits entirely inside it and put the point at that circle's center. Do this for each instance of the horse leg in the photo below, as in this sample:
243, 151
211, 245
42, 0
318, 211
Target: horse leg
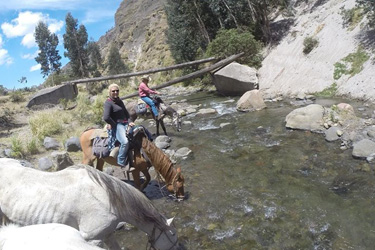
137, 166
148, 178
99, 164
163, 126
157, 126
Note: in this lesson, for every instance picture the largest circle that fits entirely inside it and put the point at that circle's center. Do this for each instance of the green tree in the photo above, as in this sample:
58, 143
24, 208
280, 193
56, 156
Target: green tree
48, 56
95, 59
75, 43
234, 41
115, 64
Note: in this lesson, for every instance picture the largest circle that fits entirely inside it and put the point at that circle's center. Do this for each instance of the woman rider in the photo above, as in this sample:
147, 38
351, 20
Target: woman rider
118, 119
144, 93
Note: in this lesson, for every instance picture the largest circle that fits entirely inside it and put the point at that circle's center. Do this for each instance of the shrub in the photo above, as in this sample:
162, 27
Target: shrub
351, 17
309, 44
16, 96
32, 146
234, 41
17, 150
329, 91
352, 64
46, 124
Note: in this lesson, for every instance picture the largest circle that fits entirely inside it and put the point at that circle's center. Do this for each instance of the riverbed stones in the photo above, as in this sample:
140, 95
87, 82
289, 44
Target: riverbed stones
306, 118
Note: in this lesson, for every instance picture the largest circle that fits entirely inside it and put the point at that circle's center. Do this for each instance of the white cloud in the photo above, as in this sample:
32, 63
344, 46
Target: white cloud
55, 25
4, 57
30, 56
24, 26
35, 68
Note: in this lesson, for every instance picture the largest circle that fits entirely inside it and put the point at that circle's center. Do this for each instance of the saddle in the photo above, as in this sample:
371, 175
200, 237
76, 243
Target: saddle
100, 144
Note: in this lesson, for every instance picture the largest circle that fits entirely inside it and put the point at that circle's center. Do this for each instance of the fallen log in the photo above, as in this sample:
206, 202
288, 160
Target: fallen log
151, 71
195, 74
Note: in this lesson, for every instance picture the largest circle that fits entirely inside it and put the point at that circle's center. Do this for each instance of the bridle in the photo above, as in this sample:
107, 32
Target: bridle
152, 239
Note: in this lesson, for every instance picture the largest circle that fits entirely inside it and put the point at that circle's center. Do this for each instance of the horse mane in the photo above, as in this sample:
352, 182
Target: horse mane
124, 198
160, 161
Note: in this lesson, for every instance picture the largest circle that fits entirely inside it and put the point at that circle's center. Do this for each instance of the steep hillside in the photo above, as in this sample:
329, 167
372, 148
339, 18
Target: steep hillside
288, 71
139, 32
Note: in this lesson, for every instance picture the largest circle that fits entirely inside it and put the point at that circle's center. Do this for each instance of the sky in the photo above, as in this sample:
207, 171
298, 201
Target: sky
18, 19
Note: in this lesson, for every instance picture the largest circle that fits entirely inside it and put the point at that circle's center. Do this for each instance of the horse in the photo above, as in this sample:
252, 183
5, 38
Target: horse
173, 177
43, 237
81, 197
163, 109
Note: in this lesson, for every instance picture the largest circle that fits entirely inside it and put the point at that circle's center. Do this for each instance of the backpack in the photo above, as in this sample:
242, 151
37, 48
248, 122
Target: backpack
141, 108
100, 147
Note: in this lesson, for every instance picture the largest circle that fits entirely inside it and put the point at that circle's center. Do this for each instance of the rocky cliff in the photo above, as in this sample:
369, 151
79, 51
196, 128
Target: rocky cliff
287, 70
139, 32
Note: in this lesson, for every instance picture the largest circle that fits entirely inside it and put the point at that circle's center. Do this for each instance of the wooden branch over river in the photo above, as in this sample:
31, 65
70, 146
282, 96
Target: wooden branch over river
151, 71
195, 74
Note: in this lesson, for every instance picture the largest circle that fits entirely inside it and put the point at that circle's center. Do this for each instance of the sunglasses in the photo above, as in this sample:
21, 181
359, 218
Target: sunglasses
115, 91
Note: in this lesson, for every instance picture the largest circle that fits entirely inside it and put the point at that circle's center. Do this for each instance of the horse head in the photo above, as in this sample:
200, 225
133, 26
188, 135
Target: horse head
164, 237
177, 185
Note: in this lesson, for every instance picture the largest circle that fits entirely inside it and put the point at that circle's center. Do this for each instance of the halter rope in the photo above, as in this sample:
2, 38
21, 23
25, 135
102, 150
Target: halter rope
152, 240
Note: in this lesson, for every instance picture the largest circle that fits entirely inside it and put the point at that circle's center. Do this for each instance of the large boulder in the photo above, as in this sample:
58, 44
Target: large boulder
235, 79
306, 118
53, 95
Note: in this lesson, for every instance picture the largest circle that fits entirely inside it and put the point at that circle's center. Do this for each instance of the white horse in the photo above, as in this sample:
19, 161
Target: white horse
82, 197
43, 237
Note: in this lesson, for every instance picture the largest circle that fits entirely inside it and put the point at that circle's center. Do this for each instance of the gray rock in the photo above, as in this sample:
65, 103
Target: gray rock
363, 148
306, 118
235, 79
61, 160
207, 111
45, 164
73, 144
53, 95
182, 152
251, 100
51, 143
331, 134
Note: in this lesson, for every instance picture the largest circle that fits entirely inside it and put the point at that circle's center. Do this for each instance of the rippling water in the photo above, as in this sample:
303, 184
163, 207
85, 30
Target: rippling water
254, 184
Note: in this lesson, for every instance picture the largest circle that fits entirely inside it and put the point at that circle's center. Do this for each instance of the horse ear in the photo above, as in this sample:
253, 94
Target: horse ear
169, 221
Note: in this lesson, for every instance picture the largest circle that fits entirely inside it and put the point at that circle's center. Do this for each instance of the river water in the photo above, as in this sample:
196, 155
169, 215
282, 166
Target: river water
254, 184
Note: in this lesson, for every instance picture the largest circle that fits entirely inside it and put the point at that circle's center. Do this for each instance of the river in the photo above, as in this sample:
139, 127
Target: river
255, 184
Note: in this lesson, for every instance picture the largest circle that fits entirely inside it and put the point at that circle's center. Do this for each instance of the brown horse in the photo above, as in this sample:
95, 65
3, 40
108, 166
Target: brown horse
163, 109
173, 178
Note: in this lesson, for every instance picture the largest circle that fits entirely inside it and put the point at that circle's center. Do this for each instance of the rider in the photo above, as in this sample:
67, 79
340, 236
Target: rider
144, 93
117, 118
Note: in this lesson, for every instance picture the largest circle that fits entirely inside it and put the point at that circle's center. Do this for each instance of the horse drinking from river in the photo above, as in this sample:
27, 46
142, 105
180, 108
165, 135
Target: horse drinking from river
82, 197
163, 109
173, 178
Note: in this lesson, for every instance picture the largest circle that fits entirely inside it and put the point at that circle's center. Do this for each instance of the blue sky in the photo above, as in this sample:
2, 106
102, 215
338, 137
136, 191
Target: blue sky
18, 19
